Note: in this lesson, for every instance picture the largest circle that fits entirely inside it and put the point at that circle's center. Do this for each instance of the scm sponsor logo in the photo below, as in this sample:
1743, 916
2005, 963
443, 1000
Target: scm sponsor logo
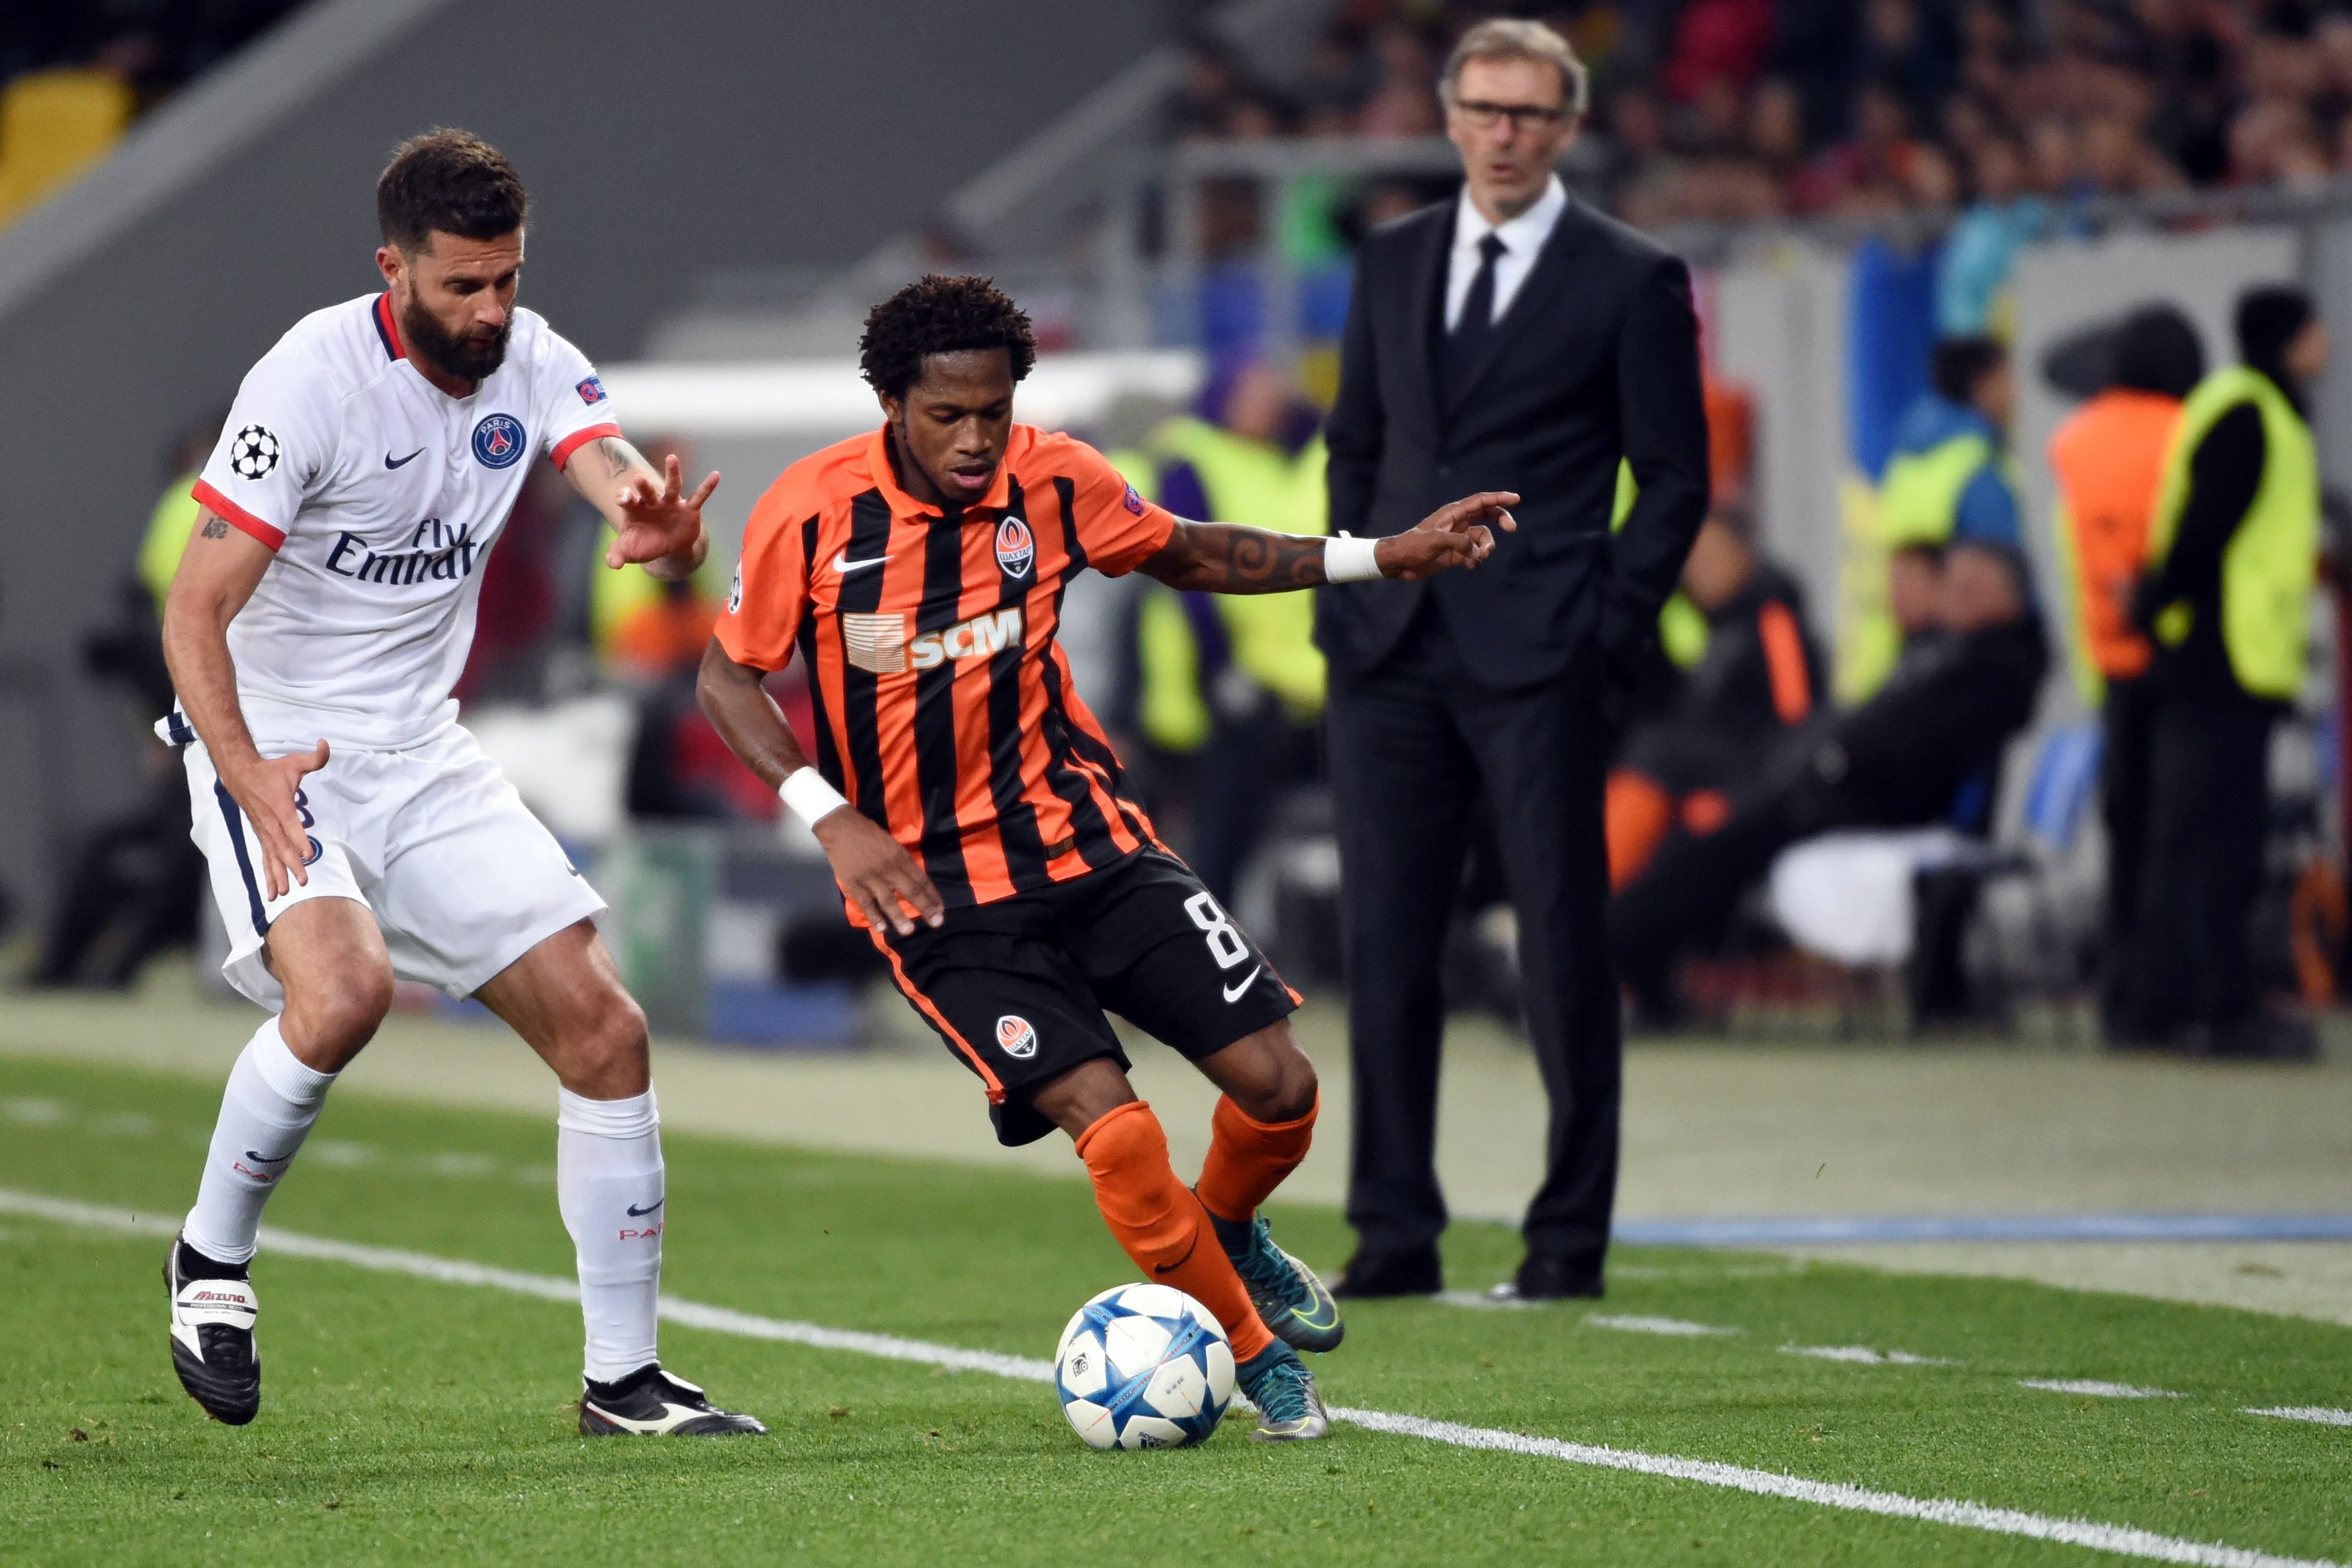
981, 637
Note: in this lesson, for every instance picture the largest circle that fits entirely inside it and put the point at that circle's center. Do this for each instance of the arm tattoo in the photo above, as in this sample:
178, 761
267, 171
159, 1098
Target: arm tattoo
214, 529
1226, 558
619, 456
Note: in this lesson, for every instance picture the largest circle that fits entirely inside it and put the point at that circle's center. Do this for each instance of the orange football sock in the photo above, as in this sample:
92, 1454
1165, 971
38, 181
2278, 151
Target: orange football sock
1248, 1158
1161, 1225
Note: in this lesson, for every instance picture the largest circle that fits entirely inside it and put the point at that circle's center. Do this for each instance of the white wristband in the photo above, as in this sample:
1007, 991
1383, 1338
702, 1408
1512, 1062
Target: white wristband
808, 797
1347, 558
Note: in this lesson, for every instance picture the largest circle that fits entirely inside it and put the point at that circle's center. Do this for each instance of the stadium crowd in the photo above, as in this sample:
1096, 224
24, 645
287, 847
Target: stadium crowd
1737, 109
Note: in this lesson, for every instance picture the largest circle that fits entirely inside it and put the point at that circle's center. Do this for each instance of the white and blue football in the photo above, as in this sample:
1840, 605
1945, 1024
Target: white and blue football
1144, 1366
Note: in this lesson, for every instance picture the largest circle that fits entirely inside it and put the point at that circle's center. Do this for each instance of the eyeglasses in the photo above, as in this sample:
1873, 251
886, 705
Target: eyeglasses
1522, 116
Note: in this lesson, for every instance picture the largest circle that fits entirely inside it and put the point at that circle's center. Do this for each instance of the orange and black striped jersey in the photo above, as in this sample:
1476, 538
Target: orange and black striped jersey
944, 707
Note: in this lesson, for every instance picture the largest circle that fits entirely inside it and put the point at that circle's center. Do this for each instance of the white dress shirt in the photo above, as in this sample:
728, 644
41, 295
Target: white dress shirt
1522, 238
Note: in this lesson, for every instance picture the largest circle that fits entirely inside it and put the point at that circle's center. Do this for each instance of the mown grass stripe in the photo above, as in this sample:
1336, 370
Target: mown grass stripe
2121, 1540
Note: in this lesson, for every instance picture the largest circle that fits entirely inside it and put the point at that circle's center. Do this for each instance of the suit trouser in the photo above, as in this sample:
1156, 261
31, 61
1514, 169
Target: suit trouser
2208, 814
1412, 744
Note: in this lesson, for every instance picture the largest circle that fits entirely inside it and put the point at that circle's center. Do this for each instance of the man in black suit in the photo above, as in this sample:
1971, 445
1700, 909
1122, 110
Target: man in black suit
1514, 339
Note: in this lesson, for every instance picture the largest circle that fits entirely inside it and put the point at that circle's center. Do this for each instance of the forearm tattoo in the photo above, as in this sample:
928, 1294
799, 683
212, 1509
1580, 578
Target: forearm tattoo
619, 456
1229, 558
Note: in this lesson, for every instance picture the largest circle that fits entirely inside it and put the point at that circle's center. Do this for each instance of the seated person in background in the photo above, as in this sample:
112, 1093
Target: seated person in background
1757, 678
1949, 475
1939, 723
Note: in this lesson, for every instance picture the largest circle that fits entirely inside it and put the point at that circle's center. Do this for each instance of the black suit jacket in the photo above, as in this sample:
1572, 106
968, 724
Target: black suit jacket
1596, 358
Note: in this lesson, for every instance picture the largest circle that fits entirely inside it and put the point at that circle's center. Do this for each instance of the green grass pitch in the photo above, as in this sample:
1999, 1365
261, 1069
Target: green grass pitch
406, 1420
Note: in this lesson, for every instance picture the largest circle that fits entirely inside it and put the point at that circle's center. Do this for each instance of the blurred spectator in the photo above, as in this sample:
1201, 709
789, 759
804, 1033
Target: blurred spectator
1980, 253
1949, 477
132, 885
2235, 545
1717, 43
1403, 100
1232, 686
2109, 459
1755, 675
1943, 720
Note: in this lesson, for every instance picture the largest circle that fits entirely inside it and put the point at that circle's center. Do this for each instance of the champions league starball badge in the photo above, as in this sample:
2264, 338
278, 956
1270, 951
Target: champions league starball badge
252, 452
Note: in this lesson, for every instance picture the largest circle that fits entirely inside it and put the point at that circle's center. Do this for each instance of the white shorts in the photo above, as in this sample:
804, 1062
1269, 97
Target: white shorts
461, 878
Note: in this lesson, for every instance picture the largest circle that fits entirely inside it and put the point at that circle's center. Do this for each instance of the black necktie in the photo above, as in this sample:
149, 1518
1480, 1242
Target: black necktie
1466, 344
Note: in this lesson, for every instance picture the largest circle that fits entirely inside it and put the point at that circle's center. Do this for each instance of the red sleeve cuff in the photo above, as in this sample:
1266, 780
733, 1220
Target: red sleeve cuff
237, 517
572, 443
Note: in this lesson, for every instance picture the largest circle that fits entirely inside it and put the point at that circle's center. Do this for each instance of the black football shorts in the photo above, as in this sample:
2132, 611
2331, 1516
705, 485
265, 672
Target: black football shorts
1017, 988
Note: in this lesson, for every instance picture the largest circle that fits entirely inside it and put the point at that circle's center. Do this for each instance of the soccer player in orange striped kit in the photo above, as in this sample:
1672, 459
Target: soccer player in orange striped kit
977, 818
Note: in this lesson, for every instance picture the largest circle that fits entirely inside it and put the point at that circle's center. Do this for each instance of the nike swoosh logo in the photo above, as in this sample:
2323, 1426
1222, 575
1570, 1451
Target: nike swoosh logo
392, 462
257, 1158
1171, 1268
1233, 992
844, 566
636, 1213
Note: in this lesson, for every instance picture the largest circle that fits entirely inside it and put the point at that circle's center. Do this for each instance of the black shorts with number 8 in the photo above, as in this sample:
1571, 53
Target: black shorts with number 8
1018, 988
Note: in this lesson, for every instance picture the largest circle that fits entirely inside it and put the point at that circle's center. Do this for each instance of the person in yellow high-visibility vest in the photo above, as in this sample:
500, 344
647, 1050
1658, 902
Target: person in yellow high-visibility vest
1234, 685
2232, 555
1948, 467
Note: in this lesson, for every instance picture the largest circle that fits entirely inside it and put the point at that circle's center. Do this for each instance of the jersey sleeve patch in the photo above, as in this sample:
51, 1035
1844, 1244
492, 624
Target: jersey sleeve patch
1120, 529
591, 390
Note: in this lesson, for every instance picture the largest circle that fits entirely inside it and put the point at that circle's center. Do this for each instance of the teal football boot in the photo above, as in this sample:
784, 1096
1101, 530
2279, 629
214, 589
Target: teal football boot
1289, 1405
1290, 1300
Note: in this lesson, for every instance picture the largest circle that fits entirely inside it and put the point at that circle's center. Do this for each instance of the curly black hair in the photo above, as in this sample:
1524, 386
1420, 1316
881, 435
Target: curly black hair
938, 314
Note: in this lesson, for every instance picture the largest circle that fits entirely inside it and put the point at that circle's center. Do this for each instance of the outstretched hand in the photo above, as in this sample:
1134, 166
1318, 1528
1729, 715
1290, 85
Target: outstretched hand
1453, 536
658, 520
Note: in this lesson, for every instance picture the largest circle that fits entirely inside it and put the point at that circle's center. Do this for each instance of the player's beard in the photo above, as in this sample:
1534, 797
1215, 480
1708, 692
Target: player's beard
469, 358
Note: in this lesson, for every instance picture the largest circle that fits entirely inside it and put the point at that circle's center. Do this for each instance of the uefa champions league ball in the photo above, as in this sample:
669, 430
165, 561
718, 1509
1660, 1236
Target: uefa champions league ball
1144, 1366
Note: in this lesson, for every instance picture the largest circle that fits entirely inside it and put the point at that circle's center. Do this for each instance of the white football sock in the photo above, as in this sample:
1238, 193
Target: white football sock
608, 1182
265, 1112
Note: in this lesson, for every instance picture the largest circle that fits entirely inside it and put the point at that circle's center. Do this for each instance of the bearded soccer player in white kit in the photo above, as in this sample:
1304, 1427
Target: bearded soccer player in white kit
355, 832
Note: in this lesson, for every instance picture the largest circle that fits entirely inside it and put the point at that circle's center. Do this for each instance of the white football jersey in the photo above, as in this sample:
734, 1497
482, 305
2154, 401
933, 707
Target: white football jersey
381, 496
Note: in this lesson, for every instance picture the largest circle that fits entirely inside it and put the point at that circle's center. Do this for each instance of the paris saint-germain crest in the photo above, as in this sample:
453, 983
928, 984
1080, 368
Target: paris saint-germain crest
1016, 550
498, 440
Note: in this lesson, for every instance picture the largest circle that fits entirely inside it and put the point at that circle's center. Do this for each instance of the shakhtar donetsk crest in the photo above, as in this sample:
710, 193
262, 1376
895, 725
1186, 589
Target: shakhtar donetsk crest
1016, 550
1016, 1038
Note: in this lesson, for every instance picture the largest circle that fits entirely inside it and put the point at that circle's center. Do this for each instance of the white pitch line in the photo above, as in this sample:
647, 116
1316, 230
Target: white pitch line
2095, 1388
2121, 1540
1864, 1355
1677, 1327
1483, 1303
2318, 1415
